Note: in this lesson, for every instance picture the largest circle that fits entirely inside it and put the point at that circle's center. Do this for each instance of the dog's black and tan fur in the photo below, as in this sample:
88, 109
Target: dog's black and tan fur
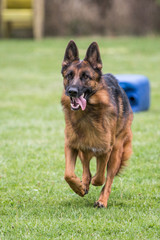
98, 121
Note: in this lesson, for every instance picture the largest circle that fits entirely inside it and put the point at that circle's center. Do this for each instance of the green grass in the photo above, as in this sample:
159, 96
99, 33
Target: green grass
35, 201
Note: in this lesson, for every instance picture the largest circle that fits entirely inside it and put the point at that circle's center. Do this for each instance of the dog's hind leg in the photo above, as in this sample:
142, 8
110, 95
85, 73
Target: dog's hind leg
119, 155
127, 150
85, 158
75, 183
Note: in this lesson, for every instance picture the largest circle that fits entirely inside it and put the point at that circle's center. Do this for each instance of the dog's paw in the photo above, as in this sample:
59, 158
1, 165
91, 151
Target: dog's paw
99, 204
80, 189
84, 190
81, 192
86, 186
98, 181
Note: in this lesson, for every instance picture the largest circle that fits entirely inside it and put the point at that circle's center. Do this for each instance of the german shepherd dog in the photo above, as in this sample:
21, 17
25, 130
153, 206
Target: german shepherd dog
98, 121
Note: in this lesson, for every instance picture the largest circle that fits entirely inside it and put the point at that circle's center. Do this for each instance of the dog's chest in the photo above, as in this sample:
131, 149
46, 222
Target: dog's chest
88, 135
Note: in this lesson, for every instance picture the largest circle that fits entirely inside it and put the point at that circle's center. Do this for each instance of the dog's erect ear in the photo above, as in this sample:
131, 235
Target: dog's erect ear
71, 53
93, 56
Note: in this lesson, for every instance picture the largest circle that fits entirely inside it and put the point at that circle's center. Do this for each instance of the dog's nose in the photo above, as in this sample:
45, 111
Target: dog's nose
73, 91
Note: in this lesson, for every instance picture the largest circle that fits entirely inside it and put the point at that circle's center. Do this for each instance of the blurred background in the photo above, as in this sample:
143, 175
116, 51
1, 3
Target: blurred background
74, 17
112, 17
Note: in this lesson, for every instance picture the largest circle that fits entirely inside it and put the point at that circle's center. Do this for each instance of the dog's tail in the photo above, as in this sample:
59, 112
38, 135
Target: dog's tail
126, 153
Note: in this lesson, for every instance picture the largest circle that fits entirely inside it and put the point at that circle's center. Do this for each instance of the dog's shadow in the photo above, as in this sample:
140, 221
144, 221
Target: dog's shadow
78, 202
74, 201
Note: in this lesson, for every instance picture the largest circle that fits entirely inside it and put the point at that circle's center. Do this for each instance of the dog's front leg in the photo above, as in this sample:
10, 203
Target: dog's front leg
74, 182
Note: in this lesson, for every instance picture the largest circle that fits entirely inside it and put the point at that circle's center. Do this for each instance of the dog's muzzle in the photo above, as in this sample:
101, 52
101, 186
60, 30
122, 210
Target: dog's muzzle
77, 98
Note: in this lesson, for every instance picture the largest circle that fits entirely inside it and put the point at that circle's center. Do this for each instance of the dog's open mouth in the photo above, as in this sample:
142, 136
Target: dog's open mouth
76, 103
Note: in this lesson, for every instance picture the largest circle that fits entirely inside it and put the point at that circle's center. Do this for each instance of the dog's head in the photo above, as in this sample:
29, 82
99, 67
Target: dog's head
81, 78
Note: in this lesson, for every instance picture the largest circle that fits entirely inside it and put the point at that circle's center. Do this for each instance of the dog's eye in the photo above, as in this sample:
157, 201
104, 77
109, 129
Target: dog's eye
84, 76
70, 76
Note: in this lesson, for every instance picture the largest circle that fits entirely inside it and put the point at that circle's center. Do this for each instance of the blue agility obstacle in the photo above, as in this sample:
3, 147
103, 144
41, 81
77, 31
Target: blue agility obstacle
137, 88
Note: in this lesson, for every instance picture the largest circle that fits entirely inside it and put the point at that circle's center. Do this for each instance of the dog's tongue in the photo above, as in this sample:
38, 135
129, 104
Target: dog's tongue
81, 101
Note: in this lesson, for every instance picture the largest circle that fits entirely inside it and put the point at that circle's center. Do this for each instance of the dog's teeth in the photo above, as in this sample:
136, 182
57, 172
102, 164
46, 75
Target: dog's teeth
83, 95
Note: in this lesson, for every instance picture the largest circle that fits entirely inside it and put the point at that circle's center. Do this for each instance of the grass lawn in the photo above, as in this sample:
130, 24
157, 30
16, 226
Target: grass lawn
35, 201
